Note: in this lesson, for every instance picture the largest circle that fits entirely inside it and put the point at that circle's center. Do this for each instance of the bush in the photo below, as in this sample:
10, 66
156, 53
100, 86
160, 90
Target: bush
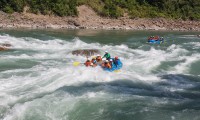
58, 7
8, 9
17, 5
175, 9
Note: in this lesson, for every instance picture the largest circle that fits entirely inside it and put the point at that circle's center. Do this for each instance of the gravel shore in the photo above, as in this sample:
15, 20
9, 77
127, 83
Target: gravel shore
88, 19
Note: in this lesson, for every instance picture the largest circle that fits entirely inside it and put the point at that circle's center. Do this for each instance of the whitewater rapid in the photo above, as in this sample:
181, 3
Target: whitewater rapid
38, 79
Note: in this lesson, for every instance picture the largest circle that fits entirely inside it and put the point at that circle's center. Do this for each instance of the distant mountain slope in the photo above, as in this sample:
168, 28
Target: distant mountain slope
173, 9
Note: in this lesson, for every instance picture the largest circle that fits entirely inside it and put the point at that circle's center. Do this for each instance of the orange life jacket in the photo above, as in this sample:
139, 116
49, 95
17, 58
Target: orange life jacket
156, 37
107, 65
87, 63
99, 58
110, 63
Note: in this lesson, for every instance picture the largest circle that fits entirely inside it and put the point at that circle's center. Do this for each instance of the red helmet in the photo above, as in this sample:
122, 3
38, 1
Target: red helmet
116, 57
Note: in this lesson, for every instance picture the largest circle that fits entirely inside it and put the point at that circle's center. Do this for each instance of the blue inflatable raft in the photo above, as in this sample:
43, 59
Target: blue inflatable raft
158, 41
114, 67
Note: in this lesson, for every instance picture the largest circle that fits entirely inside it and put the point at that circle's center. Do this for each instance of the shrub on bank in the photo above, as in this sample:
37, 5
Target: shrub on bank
173, 9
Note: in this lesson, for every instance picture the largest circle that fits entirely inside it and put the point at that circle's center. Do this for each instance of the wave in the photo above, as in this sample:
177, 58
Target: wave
38, 77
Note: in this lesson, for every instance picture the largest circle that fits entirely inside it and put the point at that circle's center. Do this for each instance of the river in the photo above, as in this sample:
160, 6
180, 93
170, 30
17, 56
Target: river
157, 82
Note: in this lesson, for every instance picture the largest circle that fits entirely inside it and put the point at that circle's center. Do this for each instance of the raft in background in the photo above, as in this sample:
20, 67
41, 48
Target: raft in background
156, 41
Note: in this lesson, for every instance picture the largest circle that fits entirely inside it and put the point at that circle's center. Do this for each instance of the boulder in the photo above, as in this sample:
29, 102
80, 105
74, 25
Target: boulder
74, 22
5, 45
86, 52
3, 48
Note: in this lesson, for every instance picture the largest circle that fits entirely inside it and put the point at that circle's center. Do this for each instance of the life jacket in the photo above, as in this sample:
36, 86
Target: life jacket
156, 37
99, 59
107, 65
87, 63
111, 63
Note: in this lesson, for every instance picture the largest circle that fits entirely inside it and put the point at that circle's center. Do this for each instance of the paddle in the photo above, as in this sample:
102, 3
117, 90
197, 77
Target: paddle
117, 70
76, 63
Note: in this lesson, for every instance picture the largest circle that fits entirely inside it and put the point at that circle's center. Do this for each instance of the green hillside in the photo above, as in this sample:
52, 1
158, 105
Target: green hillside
173, 9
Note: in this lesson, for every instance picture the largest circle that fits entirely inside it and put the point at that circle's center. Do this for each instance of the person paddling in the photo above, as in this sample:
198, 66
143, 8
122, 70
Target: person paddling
93, 62
98, 59
107, 55
87, 63
117, 61
111, 63
107, 65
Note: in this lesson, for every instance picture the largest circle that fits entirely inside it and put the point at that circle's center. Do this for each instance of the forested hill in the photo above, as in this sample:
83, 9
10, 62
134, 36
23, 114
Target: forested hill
173, 9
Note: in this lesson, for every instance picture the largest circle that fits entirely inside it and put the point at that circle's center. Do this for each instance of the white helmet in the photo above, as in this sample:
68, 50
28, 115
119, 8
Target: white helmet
111, 60
98, 55
106, 61
106, 51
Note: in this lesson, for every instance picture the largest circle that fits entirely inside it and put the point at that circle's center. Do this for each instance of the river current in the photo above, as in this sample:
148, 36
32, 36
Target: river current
157, 82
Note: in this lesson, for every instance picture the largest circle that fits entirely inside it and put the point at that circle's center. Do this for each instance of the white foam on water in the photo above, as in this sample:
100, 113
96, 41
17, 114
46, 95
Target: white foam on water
185, 66
137, 62
194, 45
54, 70
188, 36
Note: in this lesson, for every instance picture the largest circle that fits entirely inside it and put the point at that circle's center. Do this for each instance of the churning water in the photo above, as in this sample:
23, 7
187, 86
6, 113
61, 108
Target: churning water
157, 82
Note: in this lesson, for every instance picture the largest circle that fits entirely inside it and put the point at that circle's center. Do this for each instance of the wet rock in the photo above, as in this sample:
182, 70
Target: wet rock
74, 22
3, 48
86, 52
5, 45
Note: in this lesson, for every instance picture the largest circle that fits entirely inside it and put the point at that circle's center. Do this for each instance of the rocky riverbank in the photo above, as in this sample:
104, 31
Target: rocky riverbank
88, 19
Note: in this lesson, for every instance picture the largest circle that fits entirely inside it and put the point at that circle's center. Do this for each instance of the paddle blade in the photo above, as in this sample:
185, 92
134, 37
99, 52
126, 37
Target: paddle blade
76, 63
117, 70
